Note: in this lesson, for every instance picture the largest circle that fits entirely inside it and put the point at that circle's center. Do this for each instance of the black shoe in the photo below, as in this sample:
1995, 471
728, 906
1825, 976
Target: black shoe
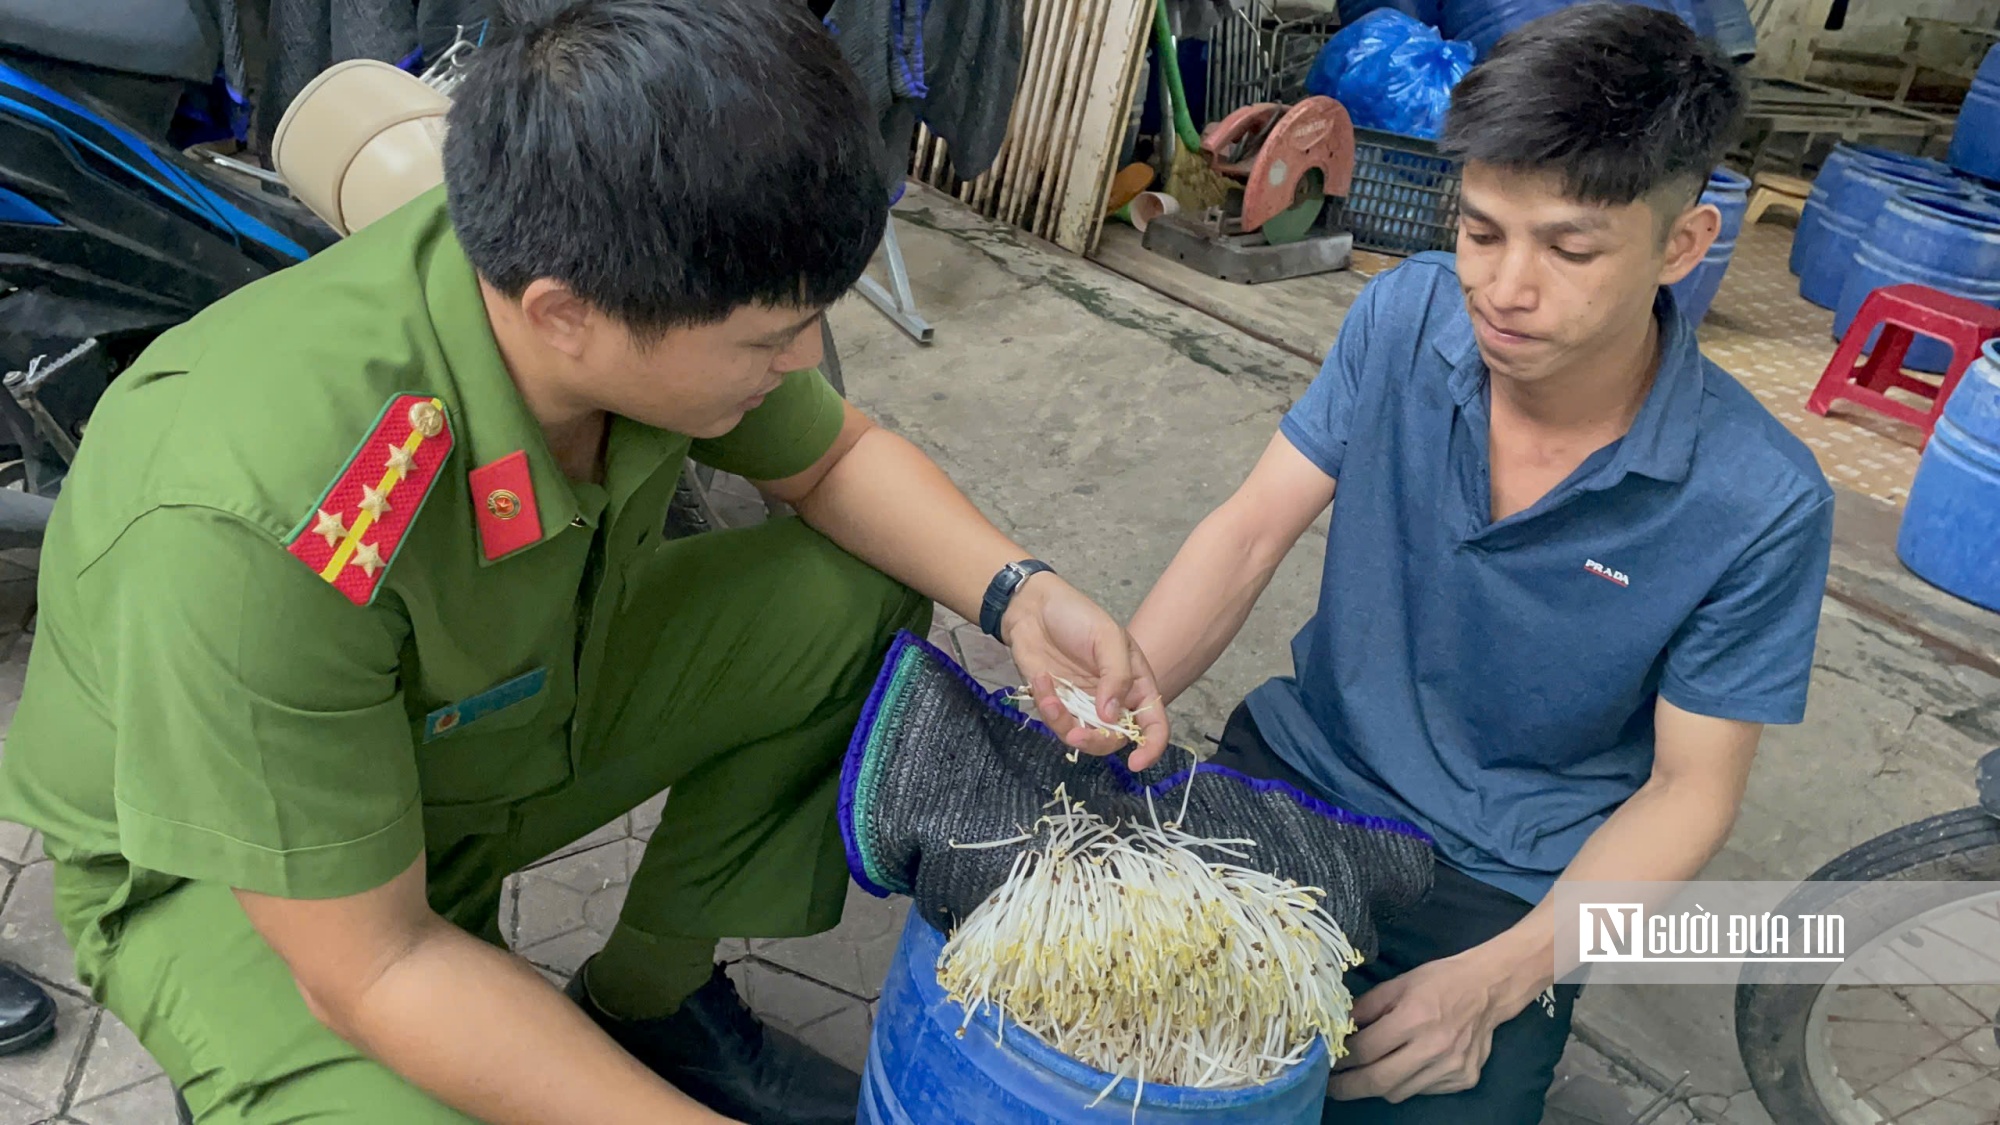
715, 1051
27, 1015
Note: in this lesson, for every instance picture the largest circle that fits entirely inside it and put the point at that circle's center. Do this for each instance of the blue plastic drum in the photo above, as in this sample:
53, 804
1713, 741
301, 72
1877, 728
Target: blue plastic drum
1975, 140
1812, 217
920, 1072
1852, 204
1730, 193
1951, 527
1950, 243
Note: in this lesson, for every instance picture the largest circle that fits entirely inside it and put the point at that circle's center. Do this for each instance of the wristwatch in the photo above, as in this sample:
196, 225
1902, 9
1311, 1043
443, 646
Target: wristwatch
1000, 592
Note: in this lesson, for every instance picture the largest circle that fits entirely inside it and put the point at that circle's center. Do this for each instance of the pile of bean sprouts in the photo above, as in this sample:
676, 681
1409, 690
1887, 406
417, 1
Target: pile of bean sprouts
1124, 948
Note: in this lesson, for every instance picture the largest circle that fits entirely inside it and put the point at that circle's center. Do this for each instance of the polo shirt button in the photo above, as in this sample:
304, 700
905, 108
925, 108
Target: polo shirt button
578, 522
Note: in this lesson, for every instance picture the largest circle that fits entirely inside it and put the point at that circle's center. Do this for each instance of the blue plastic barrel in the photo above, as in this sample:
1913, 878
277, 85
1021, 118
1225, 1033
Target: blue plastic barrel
1852, 204
1948, 242
1483, 22
1951, 525
1734, 31
1351, 11
1730, 193
1812, 218
1975, 141
919, 1071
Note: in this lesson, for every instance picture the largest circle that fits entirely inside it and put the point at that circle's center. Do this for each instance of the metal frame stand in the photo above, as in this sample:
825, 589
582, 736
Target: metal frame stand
899, 306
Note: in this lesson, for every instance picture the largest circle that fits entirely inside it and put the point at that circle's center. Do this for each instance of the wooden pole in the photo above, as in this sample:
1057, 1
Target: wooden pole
1080, 214
1034, 21
1061, 40
1034, 77
1057, 170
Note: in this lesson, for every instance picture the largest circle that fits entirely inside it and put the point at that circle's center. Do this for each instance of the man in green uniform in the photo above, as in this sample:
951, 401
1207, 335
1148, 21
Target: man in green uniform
357, 601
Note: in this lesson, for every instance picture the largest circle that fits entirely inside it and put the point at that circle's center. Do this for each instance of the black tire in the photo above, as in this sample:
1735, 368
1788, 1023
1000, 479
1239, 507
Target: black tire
705, 501
1773, 1013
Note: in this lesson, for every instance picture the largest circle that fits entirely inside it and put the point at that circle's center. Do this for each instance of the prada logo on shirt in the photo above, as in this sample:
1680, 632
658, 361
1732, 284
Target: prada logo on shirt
1606, 573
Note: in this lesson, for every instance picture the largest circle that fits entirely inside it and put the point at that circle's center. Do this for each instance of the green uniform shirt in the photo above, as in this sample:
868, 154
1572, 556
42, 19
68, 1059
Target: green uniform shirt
202, 704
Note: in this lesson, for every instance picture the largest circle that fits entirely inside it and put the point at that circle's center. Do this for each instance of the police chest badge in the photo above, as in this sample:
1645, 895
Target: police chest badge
465, 712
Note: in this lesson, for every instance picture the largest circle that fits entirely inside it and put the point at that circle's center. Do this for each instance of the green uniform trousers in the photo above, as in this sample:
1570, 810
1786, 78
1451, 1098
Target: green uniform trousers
738, 670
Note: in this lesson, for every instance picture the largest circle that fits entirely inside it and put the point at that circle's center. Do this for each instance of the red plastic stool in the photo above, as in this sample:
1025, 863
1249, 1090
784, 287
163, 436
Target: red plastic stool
1902, 311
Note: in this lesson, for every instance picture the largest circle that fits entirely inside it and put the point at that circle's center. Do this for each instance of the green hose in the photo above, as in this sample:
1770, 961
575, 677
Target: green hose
1170, 66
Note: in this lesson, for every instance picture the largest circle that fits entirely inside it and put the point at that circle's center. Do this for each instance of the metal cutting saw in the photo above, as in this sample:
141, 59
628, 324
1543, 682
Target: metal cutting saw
1288, 160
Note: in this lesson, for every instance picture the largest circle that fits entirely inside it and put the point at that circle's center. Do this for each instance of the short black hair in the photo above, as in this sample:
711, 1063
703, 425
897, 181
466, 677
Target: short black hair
1617, 99
669, 161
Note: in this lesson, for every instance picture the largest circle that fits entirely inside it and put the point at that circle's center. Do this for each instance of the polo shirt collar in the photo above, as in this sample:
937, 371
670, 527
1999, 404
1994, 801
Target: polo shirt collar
487, 411
1661, 442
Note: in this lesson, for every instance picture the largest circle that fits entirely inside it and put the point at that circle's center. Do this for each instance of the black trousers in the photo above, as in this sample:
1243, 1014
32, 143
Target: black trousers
1459, 913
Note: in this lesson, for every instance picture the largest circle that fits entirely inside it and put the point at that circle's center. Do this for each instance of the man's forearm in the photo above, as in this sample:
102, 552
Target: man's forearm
1201, 601
1664, 833
890, 506
478, 1029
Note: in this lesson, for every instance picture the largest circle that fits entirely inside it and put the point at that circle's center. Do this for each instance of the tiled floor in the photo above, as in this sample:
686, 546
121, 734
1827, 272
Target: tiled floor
1777, 343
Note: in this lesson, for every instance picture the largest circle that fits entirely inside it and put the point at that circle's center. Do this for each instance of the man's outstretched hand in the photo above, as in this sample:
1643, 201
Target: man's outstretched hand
1054, 631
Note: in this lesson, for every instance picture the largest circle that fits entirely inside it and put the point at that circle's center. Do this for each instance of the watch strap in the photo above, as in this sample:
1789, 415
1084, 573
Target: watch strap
1000, 592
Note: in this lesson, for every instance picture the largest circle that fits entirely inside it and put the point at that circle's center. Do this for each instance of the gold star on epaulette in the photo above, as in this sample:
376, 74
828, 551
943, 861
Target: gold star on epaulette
330, 527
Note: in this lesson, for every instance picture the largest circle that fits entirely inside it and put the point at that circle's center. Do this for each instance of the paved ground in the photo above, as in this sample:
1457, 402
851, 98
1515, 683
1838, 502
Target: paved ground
1097, 422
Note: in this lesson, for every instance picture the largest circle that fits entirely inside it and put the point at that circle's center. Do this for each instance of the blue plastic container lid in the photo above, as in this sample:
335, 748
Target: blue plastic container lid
1982, 214
1919, 177
1890, 156
1727, 179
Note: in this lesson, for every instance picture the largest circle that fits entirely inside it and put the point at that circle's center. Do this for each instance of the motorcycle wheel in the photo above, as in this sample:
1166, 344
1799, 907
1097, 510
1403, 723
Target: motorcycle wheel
1871, 1054
706, 500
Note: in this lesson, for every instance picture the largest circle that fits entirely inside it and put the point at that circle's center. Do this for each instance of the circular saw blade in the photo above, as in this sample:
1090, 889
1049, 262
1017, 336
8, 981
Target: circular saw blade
1296, 221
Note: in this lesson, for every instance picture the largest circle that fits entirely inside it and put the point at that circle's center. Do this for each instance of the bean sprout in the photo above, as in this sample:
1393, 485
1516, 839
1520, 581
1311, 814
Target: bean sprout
1083, 707
1124, 948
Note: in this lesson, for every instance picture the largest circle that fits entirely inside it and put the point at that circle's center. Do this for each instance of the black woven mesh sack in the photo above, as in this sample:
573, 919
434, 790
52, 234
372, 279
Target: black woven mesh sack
939, 760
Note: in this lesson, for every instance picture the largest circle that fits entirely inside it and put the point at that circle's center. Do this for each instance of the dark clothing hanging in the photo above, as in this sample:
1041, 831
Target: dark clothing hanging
952, 64
276, 47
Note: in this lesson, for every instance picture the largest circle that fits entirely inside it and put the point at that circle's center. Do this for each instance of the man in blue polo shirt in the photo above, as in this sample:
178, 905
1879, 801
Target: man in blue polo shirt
1573, 569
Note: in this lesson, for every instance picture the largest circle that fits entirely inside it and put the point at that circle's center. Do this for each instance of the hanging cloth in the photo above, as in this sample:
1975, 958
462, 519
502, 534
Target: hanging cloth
951, 64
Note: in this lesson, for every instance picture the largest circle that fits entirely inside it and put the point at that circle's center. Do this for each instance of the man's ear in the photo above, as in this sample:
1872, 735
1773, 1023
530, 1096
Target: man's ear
1688, 240
560, 317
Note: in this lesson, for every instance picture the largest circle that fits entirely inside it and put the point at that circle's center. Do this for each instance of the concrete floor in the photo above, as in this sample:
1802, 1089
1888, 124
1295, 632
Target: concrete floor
1097, 421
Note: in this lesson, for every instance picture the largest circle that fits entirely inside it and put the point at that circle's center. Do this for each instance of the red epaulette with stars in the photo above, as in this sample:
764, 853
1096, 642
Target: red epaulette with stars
353, 533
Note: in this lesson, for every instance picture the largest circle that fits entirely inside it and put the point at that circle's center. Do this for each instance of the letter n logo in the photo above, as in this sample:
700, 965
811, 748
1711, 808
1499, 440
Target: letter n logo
1611, 931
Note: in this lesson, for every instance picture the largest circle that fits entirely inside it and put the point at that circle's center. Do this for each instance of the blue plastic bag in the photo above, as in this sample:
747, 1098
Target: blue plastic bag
1392, 72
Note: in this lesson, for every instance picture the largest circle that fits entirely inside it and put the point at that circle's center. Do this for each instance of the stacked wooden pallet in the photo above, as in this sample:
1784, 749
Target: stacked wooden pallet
1079, 73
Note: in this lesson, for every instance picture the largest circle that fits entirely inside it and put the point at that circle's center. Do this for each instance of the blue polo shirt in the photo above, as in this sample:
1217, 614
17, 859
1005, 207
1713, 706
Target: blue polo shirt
1494, 683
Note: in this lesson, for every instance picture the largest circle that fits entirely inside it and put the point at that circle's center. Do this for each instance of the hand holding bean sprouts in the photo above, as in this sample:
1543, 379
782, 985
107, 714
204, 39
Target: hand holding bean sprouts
1083, 708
